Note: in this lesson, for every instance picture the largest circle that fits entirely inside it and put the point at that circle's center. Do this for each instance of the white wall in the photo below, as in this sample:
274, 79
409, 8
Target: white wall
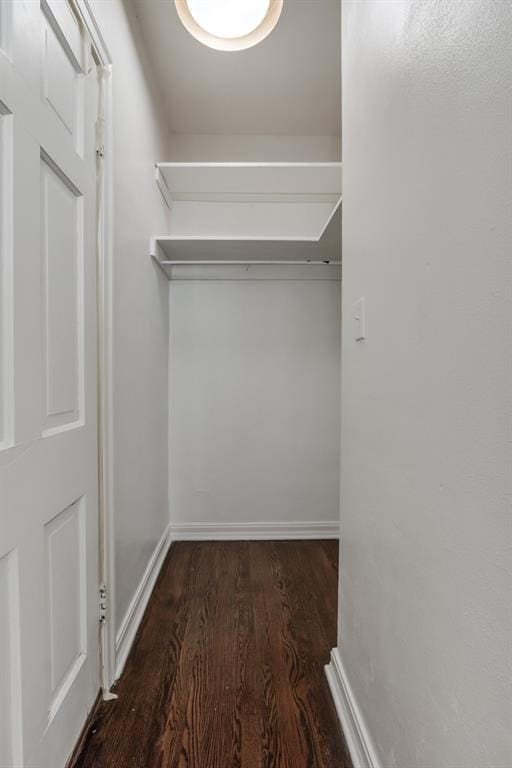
425, 622
254, 402
185, 147
140, 308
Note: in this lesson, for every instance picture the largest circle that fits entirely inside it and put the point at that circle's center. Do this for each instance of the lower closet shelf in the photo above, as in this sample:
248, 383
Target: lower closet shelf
222, 257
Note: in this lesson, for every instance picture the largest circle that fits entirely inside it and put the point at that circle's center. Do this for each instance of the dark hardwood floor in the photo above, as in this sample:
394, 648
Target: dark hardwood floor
227, 668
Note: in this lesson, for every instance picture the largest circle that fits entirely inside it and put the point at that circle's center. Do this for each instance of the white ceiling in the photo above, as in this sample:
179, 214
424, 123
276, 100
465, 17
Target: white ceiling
288, 84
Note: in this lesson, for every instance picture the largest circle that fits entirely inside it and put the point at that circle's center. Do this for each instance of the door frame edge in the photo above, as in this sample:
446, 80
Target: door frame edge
105, 262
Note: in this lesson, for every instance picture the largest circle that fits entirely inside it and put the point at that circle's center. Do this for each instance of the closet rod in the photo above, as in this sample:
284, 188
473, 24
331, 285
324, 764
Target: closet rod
267, 263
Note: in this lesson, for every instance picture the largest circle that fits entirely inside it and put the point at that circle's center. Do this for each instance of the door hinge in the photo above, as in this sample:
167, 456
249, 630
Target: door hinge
100, 137
102, 594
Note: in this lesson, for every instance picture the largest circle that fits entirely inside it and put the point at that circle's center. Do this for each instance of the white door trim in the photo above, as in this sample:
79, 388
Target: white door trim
105, 348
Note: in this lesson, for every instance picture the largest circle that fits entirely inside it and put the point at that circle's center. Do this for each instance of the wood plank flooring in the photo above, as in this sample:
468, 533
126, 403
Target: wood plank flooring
227, 668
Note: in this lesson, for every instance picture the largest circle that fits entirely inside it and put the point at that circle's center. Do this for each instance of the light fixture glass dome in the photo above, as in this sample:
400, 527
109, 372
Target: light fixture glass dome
229, 18
229, 25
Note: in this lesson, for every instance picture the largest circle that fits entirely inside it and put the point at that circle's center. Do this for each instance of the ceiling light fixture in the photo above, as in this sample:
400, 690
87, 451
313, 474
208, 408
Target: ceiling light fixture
229, 25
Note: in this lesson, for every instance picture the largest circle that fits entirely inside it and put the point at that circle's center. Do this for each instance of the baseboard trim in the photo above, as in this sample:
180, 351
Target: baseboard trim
354, 728
133, 617
254, 531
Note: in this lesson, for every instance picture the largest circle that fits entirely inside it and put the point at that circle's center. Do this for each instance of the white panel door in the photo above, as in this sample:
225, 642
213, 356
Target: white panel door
49, 674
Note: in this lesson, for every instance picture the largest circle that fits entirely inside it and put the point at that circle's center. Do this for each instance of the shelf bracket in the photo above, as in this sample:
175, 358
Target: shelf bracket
162, 186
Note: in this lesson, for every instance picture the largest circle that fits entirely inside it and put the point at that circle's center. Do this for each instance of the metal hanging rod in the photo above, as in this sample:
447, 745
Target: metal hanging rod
227, 262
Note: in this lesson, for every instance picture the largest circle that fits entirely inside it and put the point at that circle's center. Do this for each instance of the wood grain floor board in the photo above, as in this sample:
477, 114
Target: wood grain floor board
227, 668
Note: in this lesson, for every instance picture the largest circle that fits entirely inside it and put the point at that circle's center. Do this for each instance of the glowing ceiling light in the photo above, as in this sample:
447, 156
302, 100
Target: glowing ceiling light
229, 25
229, 18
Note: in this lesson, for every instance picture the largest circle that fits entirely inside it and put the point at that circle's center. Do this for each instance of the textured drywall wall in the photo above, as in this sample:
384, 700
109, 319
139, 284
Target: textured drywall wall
425, 622
254, 401
140, 308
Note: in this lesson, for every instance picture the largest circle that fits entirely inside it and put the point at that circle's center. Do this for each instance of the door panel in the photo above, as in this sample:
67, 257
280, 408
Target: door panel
60, 81
10, 683
6, 26
62, 248
67, 27
62, 68
48, 387
66, 554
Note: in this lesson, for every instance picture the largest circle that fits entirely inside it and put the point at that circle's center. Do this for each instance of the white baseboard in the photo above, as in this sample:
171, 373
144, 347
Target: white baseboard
355, 731
133, 617
253, 531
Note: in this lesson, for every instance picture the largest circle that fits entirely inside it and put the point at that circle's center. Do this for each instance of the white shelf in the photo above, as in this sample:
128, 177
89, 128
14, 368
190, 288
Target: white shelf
230, 182
206, 256
239, 220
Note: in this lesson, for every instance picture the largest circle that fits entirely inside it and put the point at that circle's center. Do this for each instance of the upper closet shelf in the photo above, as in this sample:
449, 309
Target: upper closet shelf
245, 182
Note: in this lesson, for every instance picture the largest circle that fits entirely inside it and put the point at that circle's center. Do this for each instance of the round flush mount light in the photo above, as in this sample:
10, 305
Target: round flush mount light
229, 25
